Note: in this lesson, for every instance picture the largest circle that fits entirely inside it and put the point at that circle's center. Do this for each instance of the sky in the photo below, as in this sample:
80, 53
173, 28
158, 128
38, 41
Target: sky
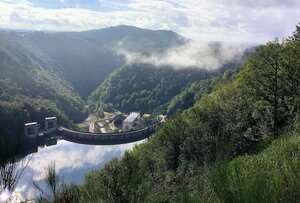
201, 20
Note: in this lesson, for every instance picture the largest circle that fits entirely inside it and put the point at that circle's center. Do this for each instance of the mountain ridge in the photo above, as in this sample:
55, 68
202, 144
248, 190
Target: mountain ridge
88, 57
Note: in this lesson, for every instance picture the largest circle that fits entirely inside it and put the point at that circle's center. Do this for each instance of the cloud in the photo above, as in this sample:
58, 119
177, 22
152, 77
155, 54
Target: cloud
78, 156
192, 54
72, 161
15, 17
260, 4
202, 20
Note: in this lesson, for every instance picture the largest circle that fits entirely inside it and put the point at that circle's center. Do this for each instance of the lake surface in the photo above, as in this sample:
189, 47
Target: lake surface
72, 162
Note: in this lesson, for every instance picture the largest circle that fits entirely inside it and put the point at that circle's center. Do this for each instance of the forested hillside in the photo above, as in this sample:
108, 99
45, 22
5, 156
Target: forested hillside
31, 87
239, 143
50, 73
142, 87
147, 88
188, 97
86, 58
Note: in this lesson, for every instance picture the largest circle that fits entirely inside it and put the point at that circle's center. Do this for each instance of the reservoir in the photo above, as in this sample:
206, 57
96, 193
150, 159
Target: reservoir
74, 153
72, 162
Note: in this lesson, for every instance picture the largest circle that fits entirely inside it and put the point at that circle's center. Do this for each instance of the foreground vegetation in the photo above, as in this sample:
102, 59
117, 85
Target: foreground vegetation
268, 176
268, 173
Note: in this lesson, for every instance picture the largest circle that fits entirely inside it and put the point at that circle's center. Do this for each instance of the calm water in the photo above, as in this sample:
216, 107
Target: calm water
72, 161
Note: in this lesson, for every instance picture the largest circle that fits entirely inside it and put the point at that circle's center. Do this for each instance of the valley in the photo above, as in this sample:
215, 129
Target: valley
56, 74
211, 123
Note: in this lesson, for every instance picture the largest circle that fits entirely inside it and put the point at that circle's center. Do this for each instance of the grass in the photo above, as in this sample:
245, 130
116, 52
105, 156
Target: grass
272, 175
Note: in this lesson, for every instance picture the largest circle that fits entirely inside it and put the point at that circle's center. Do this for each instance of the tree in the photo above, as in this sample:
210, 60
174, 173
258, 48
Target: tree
11, 171
262, 76
296, 34
55, 190
291, 74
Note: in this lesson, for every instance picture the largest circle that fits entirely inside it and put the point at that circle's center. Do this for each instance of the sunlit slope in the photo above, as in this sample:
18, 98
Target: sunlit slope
27, 73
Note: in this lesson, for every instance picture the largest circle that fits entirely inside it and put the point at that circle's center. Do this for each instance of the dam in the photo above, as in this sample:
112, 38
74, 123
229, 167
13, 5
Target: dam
52, 131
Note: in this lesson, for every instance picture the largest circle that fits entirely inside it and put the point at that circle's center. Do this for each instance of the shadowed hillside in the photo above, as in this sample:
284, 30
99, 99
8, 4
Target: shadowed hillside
86, 58
31, 85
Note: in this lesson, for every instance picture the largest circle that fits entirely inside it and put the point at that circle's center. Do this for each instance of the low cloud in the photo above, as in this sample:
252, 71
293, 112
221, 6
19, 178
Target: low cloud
190, 55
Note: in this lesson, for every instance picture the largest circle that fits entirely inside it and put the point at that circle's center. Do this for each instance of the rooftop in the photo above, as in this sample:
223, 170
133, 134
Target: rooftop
132, 117
51, 118
146, 115
30, 124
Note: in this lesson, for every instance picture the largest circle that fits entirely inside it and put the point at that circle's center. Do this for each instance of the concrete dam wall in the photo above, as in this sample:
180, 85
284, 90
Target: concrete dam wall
106, 138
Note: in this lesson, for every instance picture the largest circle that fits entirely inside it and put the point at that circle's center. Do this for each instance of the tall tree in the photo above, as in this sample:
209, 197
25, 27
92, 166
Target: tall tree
296, 33
263, 77
291, 72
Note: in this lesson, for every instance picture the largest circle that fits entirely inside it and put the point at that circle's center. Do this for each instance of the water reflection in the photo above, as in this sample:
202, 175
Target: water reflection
72, 162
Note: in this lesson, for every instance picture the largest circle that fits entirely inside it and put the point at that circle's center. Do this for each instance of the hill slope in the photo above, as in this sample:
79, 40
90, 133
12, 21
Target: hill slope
86, 58
43, 74
147, 88
142, 87
30, 77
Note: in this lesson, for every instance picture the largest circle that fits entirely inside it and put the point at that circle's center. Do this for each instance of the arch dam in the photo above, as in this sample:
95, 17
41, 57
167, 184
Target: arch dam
106, 138
51, 133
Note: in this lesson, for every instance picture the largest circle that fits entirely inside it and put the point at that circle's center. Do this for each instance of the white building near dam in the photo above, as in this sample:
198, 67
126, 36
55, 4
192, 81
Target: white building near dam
130, 121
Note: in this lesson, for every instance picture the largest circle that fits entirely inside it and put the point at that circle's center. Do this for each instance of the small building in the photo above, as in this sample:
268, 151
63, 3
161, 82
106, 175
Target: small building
51, 124
130, 121
146, 116
31, 130
92, 127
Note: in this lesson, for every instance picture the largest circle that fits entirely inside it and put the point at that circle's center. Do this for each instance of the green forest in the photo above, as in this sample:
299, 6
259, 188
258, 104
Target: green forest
51, 74
149, 89
188, 97
31, 87
238, 143
142, 87
86, 58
